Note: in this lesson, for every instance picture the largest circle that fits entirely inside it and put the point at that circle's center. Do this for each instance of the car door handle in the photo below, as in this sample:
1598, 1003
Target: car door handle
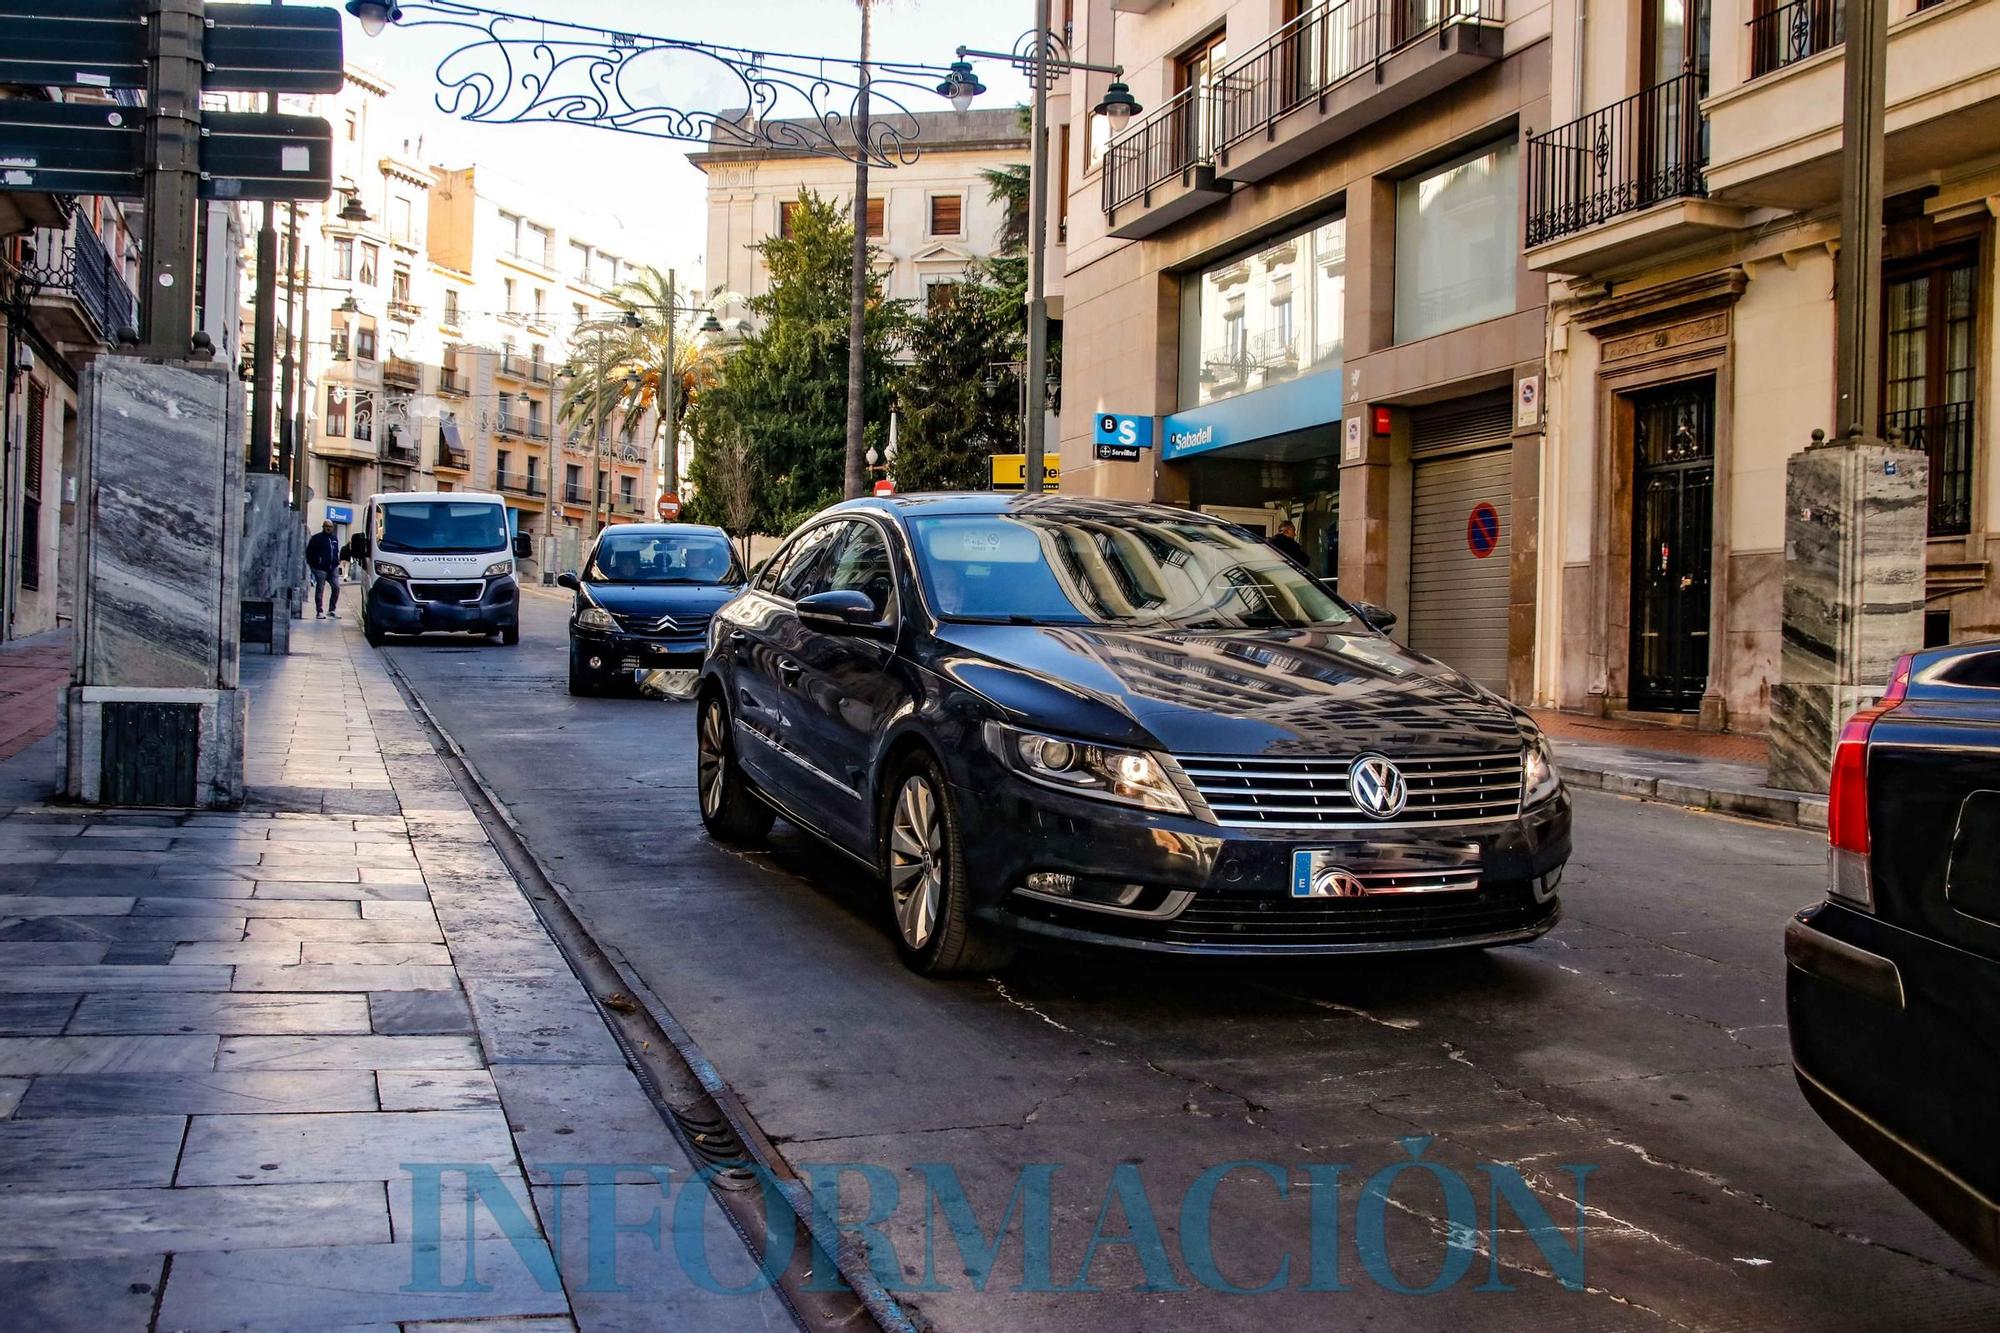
789, 672
738, 636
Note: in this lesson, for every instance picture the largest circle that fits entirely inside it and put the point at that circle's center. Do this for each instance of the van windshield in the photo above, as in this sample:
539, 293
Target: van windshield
441, 527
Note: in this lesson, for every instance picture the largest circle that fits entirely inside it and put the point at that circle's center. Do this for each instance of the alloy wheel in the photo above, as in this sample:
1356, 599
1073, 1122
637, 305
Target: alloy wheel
916, 856
710, 758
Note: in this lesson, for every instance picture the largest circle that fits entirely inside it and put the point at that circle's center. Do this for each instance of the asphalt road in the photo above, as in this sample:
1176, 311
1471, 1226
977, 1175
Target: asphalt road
1644, 1039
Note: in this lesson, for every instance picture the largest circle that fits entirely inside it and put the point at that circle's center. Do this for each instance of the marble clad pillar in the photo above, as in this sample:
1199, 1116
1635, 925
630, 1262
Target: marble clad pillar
274, 551
159, 547
1856, 516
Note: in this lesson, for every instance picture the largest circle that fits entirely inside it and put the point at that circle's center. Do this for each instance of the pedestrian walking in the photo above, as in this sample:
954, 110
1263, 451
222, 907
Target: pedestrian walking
323, 556
1286, 543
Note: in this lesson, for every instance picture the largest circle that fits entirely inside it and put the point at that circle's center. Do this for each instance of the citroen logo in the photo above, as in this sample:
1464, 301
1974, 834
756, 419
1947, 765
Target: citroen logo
1377, 787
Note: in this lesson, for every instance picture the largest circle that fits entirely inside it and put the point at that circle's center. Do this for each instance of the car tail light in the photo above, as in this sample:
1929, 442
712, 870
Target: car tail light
1847, 810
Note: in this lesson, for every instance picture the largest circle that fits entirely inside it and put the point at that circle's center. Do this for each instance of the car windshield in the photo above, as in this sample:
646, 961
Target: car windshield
441, 527
1091, 566
669, 557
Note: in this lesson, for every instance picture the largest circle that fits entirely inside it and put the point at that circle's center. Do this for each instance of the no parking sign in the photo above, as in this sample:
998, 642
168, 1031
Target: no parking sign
1482, 530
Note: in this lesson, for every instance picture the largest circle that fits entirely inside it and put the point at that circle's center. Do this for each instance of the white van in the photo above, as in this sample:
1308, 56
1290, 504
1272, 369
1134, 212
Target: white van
438, 561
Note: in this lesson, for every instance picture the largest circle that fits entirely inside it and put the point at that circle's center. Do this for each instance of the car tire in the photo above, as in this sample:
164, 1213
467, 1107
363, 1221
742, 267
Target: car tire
510, 635
924, 869
374, 636
730, 809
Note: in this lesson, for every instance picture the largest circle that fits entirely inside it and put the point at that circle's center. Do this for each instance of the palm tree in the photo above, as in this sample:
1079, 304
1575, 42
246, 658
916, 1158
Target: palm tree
651, 300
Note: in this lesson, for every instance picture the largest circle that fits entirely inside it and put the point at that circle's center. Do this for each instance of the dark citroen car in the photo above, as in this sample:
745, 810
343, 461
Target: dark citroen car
1893, 986
1094, 722
644, 599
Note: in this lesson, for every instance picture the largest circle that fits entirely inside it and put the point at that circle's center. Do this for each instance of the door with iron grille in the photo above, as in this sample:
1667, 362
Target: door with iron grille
1673, 523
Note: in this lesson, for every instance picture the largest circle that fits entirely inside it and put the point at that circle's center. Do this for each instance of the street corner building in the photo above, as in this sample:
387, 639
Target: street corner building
1590, 315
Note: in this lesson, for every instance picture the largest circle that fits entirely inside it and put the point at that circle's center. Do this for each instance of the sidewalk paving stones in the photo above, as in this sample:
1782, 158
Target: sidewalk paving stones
231, 1040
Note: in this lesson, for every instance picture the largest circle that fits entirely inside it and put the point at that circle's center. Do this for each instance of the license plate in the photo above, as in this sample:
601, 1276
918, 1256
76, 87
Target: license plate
1316, 874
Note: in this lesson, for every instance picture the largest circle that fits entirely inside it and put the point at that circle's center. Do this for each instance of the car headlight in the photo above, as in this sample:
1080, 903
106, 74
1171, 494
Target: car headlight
1130, 777
390, 570
595, 617
1539, 779
499, 569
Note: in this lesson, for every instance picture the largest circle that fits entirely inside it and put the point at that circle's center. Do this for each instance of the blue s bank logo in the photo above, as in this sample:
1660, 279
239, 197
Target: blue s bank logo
1124, 429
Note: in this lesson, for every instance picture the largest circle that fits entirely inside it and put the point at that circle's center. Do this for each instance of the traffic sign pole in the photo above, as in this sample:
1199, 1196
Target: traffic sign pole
173, 175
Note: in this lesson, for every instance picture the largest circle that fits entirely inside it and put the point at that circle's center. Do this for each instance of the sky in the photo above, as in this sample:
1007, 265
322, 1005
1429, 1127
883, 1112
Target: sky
646, 184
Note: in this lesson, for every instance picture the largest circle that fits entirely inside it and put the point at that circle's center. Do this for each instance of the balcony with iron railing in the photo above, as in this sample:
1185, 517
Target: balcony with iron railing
575, 495
1297, 91
1786, 34
1290, 96
398, 451
401, 371
1774, 113
457, 460
516, 366
521, 483
1944, 432
76, 288
1624, 181
524, 428
454, 382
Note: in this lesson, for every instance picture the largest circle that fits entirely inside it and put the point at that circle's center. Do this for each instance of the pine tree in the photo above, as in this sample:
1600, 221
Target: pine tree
951, 423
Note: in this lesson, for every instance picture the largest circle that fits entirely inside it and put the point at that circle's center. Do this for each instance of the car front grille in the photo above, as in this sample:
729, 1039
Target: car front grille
446, 592
678, 626
1299, 792
1386, 921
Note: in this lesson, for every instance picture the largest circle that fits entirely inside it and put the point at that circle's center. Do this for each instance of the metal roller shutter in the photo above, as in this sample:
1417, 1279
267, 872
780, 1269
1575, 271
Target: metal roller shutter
1458, 600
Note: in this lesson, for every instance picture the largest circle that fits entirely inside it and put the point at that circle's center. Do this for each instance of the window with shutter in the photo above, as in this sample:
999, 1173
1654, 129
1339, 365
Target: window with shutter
38, 406
947, 215
786, 209
878, 216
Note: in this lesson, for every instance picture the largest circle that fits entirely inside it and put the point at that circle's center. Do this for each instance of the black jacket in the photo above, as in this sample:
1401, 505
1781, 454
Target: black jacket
322, 552
1290, 549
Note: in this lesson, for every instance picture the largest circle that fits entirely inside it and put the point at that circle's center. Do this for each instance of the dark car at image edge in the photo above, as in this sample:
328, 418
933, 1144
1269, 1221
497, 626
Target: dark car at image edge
1103, 723
1892, 988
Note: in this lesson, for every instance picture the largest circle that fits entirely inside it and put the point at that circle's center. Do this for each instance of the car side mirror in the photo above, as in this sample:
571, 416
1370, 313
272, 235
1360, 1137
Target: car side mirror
844, 609
358, 543
524, 546
1375, 617
568, 579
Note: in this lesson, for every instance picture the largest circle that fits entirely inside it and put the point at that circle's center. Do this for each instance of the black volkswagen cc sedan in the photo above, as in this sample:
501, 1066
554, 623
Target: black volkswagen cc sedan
644, 599
1095, 722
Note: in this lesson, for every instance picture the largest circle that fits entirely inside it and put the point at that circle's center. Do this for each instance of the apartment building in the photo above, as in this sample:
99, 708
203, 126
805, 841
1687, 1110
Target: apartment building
524, 287
438, 314
1683, 199
929, 219
68, 273
1303, 261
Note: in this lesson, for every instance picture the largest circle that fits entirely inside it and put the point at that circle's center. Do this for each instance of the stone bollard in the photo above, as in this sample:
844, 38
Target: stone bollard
1855, 524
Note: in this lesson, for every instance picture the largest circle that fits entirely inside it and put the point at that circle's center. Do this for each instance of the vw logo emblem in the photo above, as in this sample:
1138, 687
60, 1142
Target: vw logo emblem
1333, 882
1377, 788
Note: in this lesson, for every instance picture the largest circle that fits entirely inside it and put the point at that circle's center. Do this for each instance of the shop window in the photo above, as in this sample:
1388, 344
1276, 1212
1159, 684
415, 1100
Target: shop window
1929, 374
1456, 243
1268, 315
947, 215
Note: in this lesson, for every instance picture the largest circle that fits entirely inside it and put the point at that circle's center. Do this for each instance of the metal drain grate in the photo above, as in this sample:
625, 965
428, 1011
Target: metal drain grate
716, 1143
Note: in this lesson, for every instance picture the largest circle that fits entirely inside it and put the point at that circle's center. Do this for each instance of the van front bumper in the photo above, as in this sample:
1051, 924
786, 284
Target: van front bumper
393, 610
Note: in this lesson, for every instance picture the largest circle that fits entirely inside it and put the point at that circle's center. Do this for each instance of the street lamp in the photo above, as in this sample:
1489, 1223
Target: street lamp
961, 86
352, 212
374, 15
1039, 54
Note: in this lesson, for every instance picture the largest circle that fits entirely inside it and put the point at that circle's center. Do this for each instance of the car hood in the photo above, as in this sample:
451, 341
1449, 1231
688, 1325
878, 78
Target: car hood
1297, 691
660, 599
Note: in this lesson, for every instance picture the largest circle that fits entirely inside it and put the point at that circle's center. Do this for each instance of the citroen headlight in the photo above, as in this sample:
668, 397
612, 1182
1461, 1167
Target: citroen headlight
595, 617
1539, 779
1129, 777
388, 569
499, 569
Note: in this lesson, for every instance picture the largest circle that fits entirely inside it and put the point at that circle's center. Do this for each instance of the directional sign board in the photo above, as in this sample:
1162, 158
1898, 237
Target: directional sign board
102, 44
70, 148
253, 155
98, 148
